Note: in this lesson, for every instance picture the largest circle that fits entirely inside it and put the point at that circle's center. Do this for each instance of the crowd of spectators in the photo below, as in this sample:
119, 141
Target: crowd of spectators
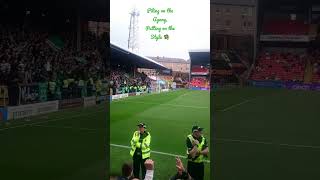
287, 66
198, 81
280, 66
28, 56
124, 82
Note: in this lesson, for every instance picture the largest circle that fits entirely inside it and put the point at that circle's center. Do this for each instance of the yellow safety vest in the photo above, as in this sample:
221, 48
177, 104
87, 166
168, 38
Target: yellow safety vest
200, 158
98, 85
81, 83
145, 145
52, 86
65, 83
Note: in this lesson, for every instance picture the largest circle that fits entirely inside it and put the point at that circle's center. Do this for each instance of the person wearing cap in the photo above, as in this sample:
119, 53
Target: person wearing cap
197, 150
140, 149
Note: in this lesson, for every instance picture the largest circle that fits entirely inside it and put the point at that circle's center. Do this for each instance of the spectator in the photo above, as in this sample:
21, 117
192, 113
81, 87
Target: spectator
31, 57
127, 171
182, 173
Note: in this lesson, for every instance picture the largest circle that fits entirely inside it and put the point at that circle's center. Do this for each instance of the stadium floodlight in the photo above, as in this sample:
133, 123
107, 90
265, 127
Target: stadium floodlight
133, 31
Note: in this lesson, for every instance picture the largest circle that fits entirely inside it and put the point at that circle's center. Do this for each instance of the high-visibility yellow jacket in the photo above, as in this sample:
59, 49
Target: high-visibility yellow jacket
200, 158
144, 145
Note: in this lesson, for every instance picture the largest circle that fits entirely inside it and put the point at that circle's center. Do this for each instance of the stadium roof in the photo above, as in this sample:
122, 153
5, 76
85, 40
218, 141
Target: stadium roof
123, 56
201, 57
169, 60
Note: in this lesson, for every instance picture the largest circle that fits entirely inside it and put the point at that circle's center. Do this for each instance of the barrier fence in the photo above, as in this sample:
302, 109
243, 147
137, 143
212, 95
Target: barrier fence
33, 99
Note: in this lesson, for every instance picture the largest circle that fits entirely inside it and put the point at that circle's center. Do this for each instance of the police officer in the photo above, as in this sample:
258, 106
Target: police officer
197, 150
140, 149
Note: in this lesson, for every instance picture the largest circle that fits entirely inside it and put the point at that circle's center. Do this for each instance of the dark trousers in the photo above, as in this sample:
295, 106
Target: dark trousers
137, 163
196, 170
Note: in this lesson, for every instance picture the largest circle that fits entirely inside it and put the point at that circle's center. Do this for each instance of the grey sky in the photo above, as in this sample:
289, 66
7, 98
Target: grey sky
191, 19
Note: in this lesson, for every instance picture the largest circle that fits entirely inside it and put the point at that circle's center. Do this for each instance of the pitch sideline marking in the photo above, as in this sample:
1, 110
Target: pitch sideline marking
115, 145
267, 143
219, 139
236, 105
173, 105
156, 152
66, 127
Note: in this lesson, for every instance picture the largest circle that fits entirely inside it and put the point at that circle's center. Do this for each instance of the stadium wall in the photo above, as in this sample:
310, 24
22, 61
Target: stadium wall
28, 110
22, 111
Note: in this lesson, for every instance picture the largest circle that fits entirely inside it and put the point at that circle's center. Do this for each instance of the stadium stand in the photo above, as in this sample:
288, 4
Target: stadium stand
126, 82
315, 60
279, 66
32, 56
199, 71
199, 82
125, 77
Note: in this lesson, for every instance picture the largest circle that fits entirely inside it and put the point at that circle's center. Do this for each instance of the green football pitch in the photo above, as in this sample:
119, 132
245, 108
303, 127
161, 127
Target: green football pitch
266, 134
169, 118
65, 145
259, 134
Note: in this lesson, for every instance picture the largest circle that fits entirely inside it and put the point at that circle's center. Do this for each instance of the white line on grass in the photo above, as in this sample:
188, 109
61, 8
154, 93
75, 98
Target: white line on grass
155, 152
267, 143
173, 105
66, 127
236, 105
95, 130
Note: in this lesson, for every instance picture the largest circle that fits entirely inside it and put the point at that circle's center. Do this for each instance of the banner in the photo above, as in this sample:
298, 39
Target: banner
120, 96
268, 84
17, 112
287, 85
315, 87
70, 103
302, 86
199, 88
29, 93
200, 73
